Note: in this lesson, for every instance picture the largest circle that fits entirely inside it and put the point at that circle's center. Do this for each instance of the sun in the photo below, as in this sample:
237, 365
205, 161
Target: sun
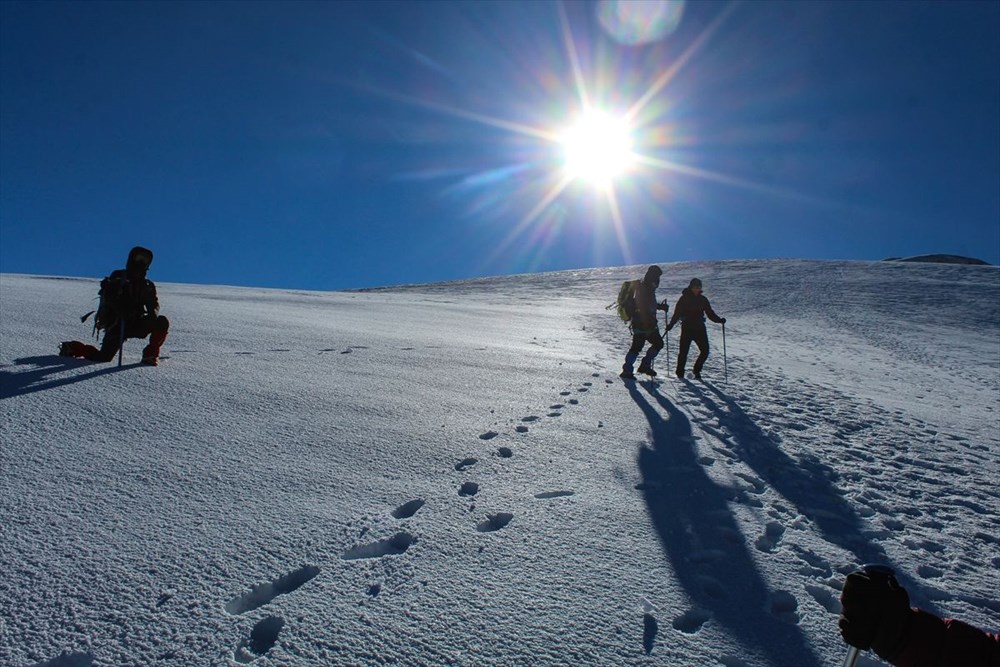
597, 148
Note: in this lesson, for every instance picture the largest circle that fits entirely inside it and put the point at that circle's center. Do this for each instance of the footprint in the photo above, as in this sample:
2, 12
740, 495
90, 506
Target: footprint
712, 587
263, 637
494, 522
531, 418
784, 605
67, 659
468, 489
554, 414
691, 621
408, 509
758, 486
164, 598
772, 535
554, 494
489, 435
391, 546
261, 595
245, 353
557, 406
929, 572
826, 598
374, 590
465, 464
649, 629
706, 461
582, 389
573, 401
565, 393
521, 429
280, 349
505, 452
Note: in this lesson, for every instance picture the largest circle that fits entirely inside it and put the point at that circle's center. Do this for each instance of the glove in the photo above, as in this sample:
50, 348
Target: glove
875, 612
722, 320
662, 305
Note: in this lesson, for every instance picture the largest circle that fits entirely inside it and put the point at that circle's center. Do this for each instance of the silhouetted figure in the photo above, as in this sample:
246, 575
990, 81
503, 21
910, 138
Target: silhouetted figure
691, 310
127, 298
643, 324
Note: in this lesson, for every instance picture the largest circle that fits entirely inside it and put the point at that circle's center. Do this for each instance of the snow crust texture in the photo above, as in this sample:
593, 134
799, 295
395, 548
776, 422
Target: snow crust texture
454, 474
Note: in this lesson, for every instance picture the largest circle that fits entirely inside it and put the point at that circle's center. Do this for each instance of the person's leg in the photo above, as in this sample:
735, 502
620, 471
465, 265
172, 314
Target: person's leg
638, 340
157, 335
682, 351
701, 340
655, 345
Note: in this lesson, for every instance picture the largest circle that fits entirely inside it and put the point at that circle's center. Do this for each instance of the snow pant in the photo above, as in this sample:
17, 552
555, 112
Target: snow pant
639, 339
699, 335
155, 327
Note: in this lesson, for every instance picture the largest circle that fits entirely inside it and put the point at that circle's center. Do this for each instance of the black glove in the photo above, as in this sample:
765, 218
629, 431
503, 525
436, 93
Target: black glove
662, 305
876, 612
722, 320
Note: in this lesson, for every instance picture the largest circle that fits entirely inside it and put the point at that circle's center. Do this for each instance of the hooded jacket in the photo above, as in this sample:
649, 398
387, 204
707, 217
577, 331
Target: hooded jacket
644, 298
691, 310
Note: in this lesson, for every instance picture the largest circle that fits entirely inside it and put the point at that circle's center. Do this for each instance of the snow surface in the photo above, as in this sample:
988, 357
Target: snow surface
454, 474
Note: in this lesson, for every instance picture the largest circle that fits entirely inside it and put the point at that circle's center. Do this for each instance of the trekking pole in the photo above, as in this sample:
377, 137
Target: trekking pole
666, 335
725, 361
121, 339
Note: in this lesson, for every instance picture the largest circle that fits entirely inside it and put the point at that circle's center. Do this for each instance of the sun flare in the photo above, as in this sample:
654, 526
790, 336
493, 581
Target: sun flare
598, 148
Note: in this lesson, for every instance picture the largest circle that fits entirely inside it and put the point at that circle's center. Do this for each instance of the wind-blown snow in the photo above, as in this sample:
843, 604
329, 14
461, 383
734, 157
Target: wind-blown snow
454, 474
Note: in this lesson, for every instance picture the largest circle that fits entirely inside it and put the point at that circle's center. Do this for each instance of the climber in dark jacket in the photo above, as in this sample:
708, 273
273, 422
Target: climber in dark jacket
877, 615
691, 310
128, 305
644, 325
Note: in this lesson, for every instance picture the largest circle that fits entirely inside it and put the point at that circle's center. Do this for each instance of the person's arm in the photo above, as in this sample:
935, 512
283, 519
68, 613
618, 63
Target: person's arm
876, 615
677, 313
152, 303
935, 642
711, 313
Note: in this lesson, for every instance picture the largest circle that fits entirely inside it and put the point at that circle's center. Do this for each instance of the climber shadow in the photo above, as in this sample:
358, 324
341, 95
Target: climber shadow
48, 372
703, 542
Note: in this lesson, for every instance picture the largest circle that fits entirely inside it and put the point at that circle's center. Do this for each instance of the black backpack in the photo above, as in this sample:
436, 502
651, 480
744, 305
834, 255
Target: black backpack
112, 302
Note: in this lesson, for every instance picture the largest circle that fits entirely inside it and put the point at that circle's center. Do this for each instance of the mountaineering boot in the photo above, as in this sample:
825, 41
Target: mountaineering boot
72, 348
647, 369
697, 375
626, 373
680, 373
151, 353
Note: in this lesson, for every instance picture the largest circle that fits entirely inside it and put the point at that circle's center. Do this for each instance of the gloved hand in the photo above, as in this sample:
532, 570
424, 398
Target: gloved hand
662, 305
722, 320
875, 612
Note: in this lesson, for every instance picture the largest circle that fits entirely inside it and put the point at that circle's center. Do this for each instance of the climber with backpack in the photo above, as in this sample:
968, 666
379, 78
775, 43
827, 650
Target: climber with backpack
128, 308
637, 305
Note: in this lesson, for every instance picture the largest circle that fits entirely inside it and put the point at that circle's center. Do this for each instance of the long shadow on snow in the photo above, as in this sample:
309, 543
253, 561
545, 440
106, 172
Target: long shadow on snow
703, 542
39, 378
807, 484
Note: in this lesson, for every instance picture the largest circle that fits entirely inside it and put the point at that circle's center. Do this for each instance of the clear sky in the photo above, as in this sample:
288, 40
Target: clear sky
338, 145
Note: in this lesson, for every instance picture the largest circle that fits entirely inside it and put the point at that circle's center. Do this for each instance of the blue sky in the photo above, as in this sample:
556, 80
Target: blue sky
339, 145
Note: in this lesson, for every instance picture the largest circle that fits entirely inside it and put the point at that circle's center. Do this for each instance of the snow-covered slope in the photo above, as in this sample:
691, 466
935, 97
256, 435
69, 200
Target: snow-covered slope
454, 474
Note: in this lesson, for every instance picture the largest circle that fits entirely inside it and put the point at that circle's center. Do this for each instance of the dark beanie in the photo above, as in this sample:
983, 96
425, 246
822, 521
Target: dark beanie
695, 282
654, 271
